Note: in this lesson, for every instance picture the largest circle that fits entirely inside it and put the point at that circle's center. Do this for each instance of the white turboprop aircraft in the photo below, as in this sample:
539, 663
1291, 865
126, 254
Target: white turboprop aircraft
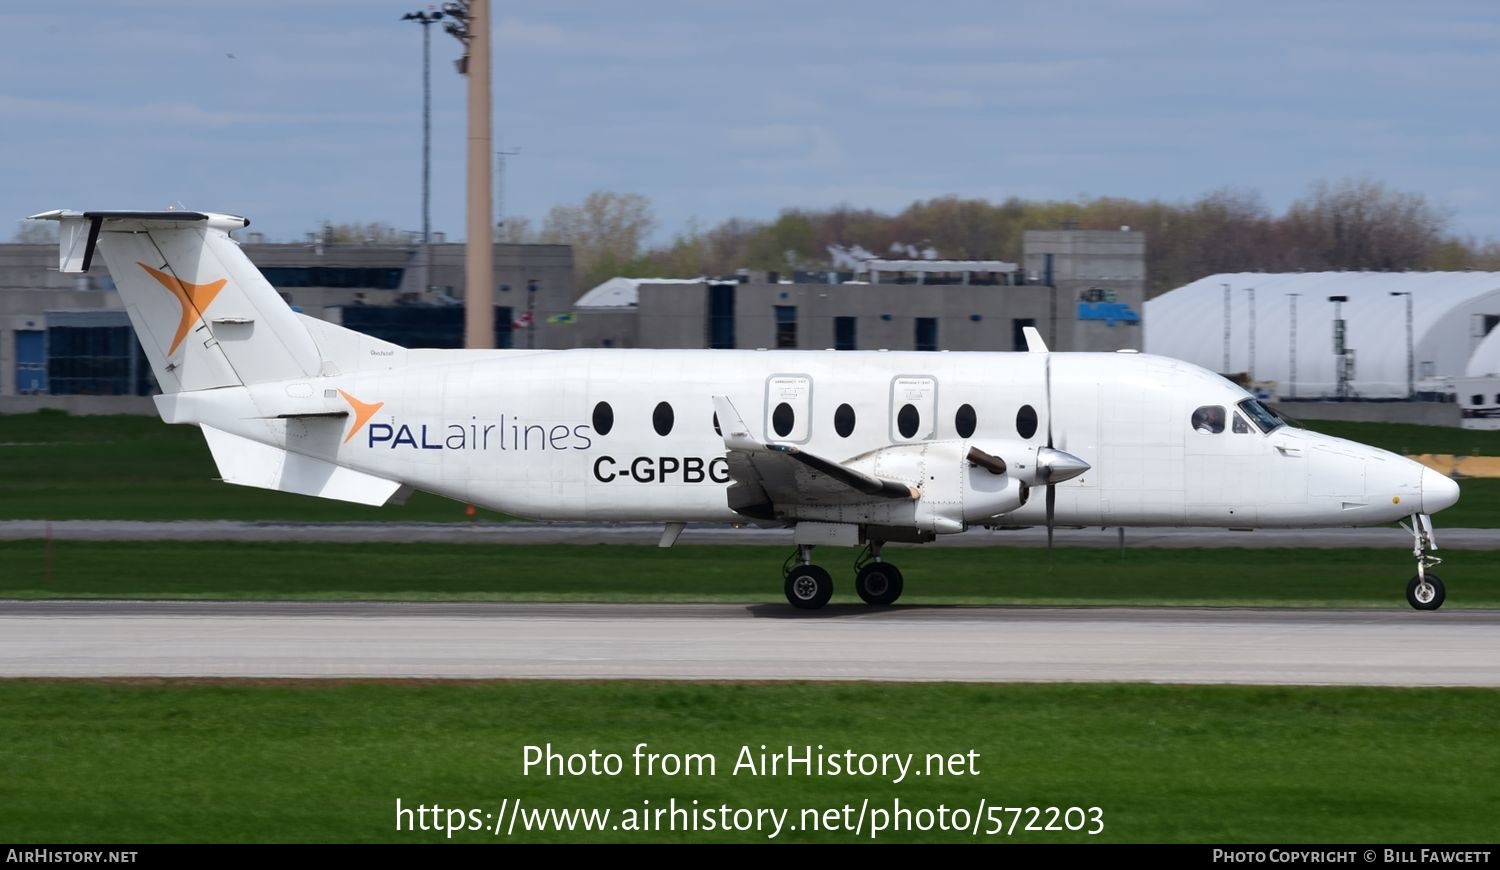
848, 448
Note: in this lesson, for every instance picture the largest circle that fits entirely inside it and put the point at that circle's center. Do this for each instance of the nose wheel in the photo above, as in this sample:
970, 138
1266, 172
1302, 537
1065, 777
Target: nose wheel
1424, 591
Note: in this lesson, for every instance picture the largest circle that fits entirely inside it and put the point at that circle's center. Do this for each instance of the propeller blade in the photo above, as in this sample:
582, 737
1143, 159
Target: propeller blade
1047, 383
1051, 507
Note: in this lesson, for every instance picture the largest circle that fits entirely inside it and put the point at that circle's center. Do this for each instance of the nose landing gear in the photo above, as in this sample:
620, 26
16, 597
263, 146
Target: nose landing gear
1424, 591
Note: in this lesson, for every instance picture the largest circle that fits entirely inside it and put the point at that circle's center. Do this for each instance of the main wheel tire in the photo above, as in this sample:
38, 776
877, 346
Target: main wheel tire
1428, 595
879, 583
808, 587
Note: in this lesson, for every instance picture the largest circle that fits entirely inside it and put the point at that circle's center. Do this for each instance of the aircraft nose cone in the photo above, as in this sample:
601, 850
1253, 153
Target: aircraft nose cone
1056, 466
1438, 491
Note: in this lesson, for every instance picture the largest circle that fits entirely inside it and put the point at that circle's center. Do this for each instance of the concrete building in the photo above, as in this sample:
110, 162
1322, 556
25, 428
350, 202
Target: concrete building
902, 304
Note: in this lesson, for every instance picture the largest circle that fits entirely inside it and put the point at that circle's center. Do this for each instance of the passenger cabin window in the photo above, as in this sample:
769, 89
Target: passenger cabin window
661, 419
1240, 426
908, 419
964, 421
1209, 419
604, 418
782, 419
843, 421
1026, 421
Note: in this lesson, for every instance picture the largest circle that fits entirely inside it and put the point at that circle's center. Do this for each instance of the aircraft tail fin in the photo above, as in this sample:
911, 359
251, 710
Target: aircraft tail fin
205, 315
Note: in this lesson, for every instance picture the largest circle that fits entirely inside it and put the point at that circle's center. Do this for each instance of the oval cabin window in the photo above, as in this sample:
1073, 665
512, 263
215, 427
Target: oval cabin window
843, 421
661, 418
782, 419
1026, 421
965, 421
604, 418
907, 421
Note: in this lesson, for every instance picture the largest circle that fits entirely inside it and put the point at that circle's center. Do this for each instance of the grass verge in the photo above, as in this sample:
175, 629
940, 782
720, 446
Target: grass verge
229, 570
150, 762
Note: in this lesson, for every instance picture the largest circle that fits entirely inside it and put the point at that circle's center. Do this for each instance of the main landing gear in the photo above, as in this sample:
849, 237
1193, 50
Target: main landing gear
809, 587
1424, 591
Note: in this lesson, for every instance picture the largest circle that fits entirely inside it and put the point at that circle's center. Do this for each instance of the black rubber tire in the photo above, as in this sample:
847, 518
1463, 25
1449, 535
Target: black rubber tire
1429, 599
808, 587
879, 583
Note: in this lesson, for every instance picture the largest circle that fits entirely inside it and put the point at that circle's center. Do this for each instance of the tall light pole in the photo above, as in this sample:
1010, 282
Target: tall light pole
469, 22
426, 19
1340, 349
1292, 348
1411, 369
1251, 372
1225, 369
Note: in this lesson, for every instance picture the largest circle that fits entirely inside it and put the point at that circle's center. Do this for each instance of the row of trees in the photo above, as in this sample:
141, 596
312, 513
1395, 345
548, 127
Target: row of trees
1350, 224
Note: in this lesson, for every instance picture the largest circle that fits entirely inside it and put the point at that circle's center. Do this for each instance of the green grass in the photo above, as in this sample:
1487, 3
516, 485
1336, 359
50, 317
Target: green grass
61, 467
152, 761
212, 570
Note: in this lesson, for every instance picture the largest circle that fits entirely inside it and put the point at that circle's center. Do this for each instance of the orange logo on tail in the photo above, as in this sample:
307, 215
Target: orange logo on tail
362, 413
193, 298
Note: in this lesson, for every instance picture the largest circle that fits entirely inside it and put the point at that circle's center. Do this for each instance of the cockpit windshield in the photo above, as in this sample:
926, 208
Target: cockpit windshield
1264, 418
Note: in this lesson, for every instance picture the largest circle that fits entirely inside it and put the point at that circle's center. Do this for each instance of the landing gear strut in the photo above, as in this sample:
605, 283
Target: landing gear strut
877, 582
1424, 591
808, 587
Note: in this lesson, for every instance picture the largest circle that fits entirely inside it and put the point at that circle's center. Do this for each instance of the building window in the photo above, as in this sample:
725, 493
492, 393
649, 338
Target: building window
95, 361
786, 326
843, 333
721, 316
927, 333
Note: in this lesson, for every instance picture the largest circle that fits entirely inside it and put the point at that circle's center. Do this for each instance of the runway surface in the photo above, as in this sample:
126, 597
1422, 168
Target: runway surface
648, 534
761, 642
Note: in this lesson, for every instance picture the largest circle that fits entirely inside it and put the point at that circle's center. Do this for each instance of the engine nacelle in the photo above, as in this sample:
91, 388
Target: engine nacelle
955, 491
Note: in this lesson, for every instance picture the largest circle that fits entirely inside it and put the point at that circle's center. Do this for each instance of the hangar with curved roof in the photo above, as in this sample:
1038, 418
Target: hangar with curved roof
1279, 327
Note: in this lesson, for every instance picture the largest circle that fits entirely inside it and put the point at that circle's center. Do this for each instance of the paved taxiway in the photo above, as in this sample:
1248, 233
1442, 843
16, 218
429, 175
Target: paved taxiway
648, 533
761, 642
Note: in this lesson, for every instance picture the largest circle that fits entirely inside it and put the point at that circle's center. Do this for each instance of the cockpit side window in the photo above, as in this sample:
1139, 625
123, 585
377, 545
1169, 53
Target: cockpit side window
1240, 426
1209, 419
1264, 418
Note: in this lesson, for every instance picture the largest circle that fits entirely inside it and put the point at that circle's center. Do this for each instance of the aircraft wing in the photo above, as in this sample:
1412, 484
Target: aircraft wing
766, 475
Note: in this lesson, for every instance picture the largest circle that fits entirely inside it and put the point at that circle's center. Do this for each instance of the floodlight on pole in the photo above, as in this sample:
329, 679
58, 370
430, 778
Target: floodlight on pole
1340, 347
1292, 349
426, 19
1227, 300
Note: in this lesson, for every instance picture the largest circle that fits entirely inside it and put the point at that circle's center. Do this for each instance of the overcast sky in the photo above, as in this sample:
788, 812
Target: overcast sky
292, 113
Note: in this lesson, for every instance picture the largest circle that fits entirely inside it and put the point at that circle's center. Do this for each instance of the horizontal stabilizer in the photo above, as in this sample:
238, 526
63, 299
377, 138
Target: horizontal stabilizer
250, 463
